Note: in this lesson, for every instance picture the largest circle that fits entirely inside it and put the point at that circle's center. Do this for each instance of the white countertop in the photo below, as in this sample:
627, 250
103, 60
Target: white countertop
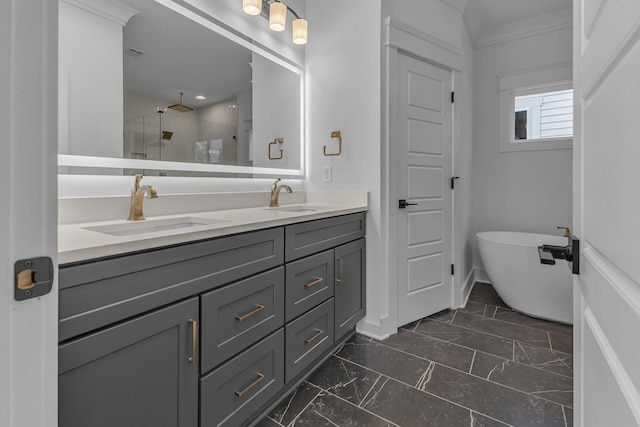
78, 243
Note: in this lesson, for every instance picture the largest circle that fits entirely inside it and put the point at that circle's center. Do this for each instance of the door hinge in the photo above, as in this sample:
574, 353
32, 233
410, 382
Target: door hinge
452, 270
452, 97
453, 181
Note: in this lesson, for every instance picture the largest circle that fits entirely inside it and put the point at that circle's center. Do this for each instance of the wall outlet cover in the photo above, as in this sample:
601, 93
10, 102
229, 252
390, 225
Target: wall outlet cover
326, 174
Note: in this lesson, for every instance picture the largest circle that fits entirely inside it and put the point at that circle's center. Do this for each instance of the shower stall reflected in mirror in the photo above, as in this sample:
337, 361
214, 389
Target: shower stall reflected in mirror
177, 137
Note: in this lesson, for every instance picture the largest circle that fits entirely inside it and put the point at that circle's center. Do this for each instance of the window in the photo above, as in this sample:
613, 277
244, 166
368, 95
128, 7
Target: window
544, 115
536, 112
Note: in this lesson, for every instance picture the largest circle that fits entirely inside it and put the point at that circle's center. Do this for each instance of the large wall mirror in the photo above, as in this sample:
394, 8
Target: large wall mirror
194, 99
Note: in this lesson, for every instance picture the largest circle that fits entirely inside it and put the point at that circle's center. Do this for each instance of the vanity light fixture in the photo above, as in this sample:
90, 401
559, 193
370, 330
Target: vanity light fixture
252, 7
277, 15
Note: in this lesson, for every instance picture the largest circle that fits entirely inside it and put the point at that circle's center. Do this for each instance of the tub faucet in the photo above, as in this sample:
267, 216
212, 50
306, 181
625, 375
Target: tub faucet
567, 231
275, 192
137, 197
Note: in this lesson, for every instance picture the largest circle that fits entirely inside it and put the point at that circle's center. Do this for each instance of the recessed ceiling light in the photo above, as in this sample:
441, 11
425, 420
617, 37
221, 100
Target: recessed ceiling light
201, 97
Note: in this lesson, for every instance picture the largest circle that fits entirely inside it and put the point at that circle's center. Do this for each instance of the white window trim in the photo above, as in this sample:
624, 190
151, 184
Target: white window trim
547, 79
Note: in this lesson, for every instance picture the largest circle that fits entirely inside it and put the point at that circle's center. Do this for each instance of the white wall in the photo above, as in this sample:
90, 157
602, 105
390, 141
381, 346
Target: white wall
462, 167
528, 191
434, 17
343, 92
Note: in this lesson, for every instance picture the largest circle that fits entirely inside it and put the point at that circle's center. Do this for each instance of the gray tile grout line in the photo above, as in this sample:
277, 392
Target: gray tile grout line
519, 324
463, 372
473, 359
429, 393
457, 370
549, 338
358, 407
461, 327
453, 317
370, 389
280, 424
487, 333
307, 405
473, 349
564, 415
503, 322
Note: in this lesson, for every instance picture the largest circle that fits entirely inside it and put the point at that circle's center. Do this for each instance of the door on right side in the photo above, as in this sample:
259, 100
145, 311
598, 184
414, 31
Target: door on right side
423, 146
607, 212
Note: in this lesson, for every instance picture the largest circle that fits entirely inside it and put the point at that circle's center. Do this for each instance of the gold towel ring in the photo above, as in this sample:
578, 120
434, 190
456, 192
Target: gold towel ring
275, 141
334, 134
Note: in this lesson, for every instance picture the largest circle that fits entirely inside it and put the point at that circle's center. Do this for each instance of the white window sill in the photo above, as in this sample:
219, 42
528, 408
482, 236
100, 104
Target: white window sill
536, 144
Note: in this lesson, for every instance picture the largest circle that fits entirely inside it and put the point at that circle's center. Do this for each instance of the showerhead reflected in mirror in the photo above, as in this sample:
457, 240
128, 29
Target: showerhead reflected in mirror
221, 102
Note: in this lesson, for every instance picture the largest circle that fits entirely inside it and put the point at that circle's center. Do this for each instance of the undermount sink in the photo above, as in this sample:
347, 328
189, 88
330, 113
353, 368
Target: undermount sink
132, 228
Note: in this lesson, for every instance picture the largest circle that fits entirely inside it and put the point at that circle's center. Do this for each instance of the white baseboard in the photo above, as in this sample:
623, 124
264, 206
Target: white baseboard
467, 286
480, 275
372, 330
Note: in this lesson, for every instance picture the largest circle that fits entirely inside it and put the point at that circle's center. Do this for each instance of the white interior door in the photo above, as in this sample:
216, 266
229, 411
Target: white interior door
424, 172
607, 212
28, 209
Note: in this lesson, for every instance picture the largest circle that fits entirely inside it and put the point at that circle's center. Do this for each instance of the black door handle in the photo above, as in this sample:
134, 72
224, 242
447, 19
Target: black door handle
402, 203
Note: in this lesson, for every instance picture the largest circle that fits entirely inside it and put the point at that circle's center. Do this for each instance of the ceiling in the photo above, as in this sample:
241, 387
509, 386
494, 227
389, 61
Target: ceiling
483, 15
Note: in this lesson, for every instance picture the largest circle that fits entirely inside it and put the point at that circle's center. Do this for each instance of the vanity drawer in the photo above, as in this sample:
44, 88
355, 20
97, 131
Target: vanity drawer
309, 282
98, 293
315, 236
236, 316
242, 385
308, 337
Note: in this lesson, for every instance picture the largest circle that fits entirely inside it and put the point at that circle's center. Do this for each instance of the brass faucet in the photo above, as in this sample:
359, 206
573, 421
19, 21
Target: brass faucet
137, 196
567, 231
275, 192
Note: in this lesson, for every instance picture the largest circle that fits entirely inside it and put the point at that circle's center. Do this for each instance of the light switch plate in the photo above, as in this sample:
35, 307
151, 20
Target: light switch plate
326, 174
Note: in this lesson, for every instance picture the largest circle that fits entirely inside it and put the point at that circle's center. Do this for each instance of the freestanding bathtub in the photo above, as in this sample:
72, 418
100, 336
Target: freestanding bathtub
513, 265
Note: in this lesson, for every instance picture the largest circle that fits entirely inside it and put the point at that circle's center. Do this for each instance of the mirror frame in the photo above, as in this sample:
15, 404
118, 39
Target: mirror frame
72, 160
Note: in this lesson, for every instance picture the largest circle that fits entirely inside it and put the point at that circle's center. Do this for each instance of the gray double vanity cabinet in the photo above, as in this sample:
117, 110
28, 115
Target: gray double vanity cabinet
207, 333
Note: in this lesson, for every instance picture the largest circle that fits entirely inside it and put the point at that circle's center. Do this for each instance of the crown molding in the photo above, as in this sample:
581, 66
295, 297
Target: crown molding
108, 9
536, 25
472, 35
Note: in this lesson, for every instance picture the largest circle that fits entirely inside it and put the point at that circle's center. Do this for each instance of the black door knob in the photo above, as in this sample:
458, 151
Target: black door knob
402, 203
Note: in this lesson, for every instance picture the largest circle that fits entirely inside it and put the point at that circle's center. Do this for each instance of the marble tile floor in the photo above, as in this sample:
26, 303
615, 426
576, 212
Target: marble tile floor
482, 365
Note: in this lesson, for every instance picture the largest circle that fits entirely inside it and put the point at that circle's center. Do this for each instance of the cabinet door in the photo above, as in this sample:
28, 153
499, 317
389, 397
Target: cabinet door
143, 372
350, 286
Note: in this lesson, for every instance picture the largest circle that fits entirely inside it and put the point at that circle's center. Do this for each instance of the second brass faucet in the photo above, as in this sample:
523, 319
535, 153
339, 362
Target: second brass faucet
137, 197
275, 192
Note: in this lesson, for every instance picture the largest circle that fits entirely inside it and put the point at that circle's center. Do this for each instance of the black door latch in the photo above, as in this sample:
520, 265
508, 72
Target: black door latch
402, 204
571, 253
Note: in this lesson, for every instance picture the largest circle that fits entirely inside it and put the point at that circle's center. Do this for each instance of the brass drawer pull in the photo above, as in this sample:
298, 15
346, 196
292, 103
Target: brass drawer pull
318, 333
315, 282
340, 262
194, 351
246, 390
254, 312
